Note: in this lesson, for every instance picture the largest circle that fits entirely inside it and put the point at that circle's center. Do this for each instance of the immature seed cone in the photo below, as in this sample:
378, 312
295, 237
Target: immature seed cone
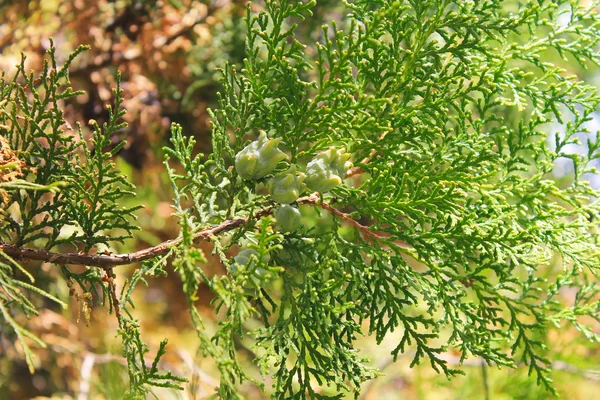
327, 170
288, 218
259, 158
286, 187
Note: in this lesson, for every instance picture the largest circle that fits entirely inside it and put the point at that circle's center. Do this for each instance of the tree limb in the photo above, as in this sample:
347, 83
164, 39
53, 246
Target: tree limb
108, 261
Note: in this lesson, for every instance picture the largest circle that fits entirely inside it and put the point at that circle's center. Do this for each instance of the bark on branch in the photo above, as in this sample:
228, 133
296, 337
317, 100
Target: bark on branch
108, 261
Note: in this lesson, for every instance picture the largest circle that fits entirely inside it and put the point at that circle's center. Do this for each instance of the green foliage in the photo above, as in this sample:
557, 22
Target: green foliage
449, 104
65, 194
13, 296
94, 203
33, 123
142, 377
451, 228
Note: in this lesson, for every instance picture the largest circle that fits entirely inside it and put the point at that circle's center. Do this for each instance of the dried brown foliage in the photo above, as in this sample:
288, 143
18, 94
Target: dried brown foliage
10, 165
150, 44
10, 169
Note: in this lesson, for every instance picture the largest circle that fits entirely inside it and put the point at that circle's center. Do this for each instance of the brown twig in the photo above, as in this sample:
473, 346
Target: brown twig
358, 170
108, 261
313, 200
110, 281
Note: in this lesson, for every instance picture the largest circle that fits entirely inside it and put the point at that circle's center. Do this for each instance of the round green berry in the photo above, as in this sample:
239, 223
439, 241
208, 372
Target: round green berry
248, 258
287, 218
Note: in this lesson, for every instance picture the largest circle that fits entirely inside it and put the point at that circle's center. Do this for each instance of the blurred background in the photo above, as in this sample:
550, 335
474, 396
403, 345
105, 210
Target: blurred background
167, 52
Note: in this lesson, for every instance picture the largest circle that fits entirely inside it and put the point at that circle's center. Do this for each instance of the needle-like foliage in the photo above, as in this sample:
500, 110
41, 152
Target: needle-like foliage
455, 116
433, 127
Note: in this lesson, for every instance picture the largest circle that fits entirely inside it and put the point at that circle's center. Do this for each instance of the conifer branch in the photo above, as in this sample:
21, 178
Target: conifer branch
446, 108
108, 261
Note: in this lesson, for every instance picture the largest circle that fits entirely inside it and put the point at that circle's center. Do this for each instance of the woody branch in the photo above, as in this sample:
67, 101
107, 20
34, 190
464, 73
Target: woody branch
108, 261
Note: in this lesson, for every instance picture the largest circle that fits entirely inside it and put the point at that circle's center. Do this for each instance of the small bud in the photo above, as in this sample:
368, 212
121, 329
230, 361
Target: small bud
259, 158
327, 169
287, 218
286, 187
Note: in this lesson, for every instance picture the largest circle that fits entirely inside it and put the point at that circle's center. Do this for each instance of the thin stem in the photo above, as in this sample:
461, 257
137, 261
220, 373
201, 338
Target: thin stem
484, 376
107, 261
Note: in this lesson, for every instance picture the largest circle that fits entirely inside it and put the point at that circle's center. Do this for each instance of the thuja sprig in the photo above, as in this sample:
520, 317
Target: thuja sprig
53, 180
14, 296
32, 114
425, 94
94, 204
442, 228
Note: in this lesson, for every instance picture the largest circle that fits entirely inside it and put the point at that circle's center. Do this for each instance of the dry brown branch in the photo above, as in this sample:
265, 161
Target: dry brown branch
109, 261
109, 277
